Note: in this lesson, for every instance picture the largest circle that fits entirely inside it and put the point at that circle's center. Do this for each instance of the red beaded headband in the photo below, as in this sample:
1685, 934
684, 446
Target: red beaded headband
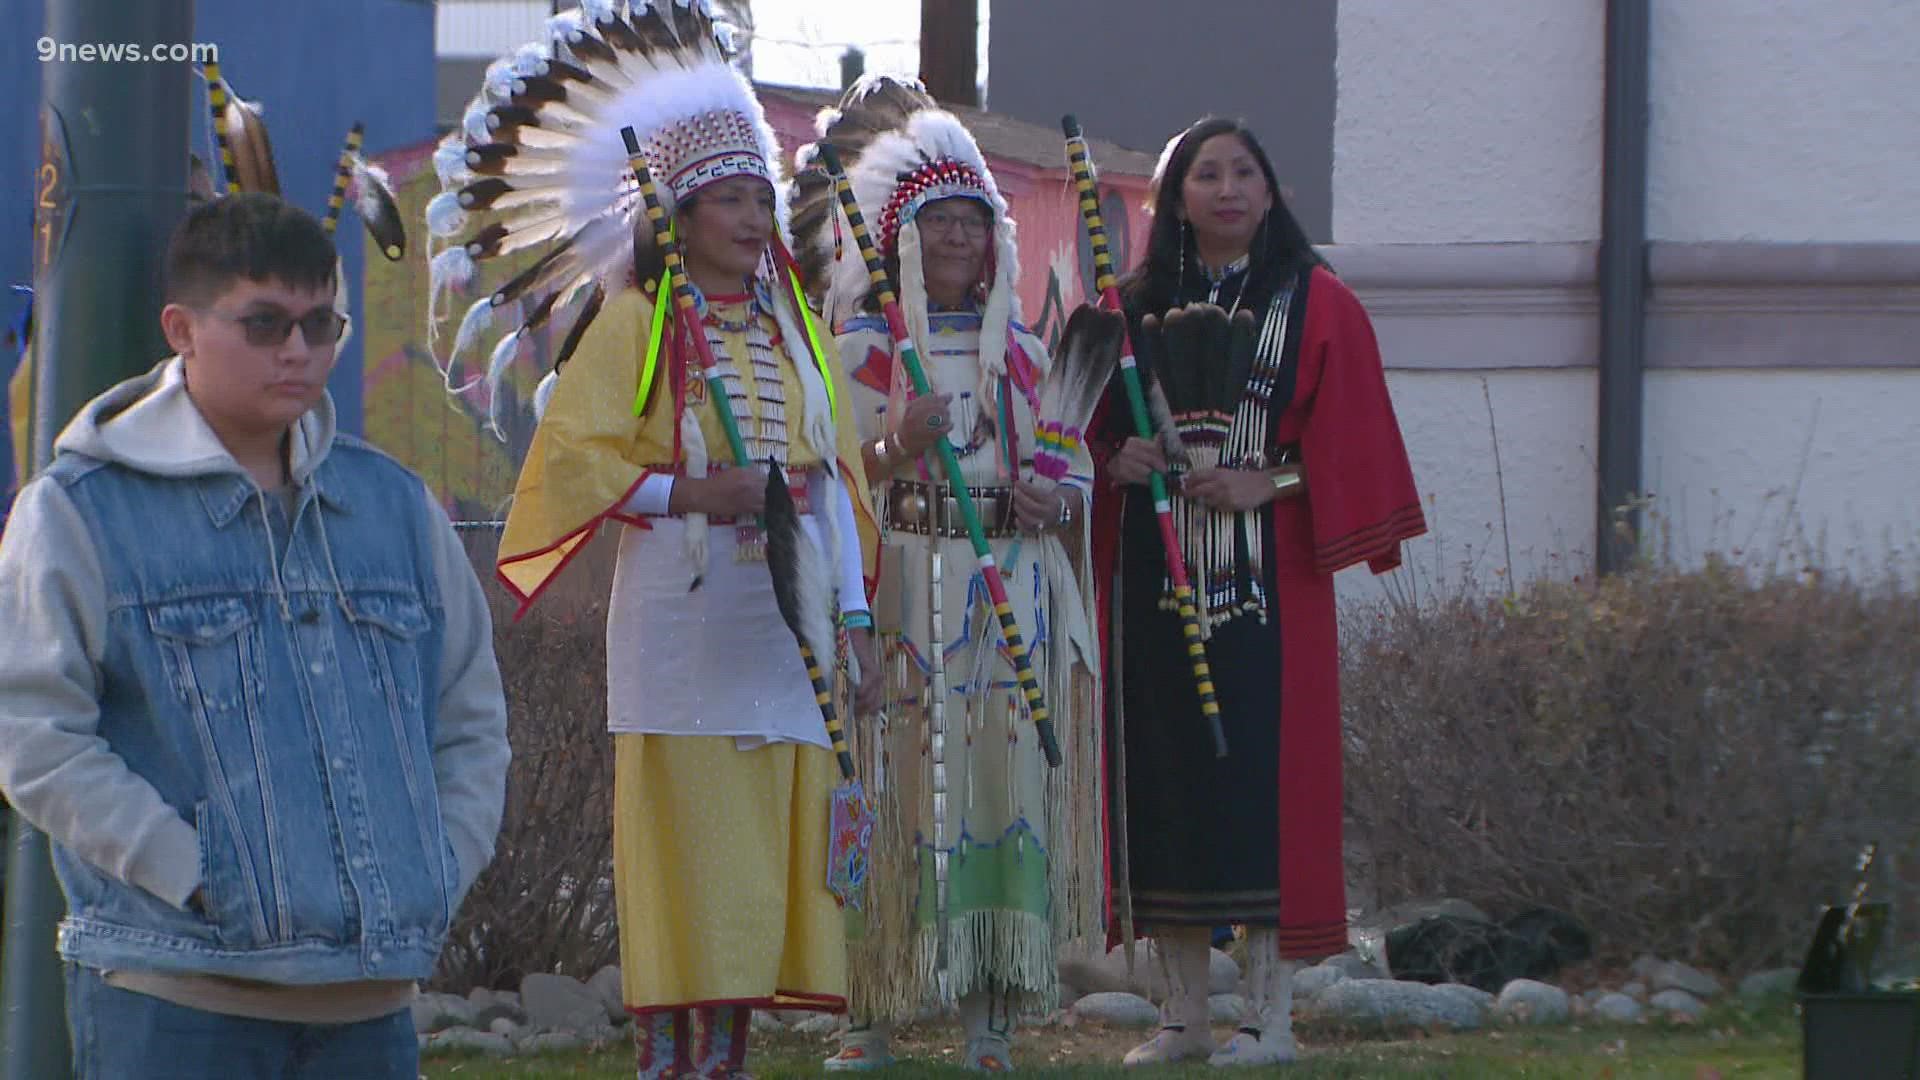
940, 179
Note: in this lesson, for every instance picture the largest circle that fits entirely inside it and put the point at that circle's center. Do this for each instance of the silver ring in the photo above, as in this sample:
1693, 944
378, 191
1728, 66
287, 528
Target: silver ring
935, 421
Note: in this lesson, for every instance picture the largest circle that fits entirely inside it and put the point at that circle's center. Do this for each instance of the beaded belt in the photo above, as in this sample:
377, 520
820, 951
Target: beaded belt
931, 509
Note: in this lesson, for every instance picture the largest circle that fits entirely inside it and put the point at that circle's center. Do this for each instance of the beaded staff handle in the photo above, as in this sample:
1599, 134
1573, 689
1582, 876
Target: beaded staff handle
1104, 283
689, 320
903, 344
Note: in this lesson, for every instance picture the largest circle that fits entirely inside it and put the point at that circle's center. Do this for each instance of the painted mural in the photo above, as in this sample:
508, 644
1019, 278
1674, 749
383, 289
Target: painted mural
468, 447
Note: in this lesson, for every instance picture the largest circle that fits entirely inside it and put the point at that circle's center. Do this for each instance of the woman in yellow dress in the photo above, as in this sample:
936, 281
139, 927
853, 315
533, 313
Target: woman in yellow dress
723, 772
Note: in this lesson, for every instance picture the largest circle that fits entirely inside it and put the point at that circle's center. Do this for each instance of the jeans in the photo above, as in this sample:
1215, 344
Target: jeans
122, 1035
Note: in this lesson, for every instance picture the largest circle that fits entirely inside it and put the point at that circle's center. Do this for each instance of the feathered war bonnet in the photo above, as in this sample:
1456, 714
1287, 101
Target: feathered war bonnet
539, 163
901, 151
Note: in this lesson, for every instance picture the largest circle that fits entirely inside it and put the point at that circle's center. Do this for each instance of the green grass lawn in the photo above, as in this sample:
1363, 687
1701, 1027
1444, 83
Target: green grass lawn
1733, 1041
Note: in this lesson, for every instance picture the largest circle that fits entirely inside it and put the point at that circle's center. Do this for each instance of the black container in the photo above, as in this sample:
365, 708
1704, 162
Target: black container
1873, 1036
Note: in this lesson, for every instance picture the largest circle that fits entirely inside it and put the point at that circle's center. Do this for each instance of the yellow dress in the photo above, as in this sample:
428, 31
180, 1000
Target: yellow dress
720, 841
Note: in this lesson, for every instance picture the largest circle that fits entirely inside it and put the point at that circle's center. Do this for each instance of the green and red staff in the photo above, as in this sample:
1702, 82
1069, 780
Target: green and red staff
1104, 283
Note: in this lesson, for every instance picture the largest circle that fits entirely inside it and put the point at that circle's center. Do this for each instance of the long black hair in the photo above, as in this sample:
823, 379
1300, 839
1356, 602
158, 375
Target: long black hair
1280, 246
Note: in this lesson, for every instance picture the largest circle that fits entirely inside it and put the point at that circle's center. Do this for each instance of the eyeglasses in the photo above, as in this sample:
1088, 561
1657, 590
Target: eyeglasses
942, 221
270, 329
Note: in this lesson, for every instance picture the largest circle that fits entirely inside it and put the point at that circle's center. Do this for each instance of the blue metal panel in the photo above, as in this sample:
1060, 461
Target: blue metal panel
314, 67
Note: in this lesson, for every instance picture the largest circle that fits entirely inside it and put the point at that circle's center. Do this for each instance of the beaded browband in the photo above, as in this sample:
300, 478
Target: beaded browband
940, 179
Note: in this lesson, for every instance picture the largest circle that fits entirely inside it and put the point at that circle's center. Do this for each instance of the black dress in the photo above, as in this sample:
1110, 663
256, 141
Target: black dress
1200, 829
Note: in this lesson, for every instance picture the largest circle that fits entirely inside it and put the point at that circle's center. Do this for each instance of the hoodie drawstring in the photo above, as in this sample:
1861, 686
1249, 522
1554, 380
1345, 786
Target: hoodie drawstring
273, 555
333, 572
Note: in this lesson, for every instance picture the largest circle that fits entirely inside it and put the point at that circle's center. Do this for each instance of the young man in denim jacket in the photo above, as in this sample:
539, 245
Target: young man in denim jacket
247, 687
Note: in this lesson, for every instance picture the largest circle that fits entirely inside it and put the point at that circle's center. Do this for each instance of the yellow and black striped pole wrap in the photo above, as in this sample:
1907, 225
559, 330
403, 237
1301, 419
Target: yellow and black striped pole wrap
342, 175
217, 105
823, 695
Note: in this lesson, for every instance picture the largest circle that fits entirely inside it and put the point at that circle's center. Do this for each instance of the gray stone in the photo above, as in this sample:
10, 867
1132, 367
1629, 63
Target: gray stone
1679, 1003
1392, 1003
507, 1029
1678, 976
1636, 990
766, 1023
1223, 974
1226, 1008
1646, 965
818, 1024
606, 984
1776, 982
1618, 1008
1529, 1002
438, 1012
1472, 995
485, 1042
1117, 1009
552, 1041
1309, 982
491, 1005
1353, 966
559, 1003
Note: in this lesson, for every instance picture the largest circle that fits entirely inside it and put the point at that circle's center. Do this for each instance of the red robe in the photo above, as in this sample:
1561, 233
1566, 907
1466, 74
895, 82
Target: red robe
1360, 505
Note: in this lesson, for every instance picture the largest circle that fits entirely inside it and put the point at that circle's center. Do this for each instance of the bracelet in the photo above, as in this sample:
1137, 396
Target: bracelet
856, 620
1288, 480
1066, 511
887, 447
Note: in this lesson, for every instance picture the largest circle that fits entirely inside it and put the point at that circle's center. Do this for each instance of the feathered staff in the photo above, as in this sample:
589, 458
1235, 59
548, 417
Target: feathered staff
799, 572
950, 464
246, 155
1104, 282
1089, 351
373, 197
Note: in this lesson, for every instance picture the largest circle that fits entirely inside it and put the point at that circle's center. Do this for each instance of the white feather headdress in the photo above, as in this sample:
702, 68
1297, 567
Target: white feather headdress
901, 151
539, 163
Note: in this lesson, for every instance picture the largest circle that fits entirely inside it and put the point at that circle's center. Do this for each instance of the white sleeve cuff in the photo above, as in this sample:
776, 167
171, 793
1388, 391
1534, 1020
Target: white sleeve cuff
651, 498
853, 579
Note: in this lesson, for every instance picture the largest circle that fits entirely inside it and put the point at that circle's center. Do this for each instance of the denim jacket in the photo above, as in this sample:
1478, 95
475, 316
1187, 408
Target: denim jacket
276, 708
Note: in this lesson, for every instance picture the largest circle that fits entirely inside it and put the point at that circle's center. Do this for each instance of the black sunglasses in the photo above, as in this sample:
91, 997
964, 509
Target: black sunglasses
269, 329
